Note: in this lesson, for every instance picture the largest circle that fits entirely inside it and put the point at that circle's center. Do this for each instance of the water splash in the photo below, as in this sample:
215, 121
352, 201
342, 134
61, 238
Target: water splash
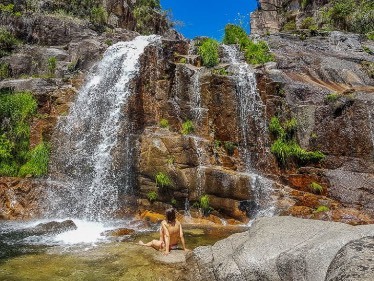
94, 141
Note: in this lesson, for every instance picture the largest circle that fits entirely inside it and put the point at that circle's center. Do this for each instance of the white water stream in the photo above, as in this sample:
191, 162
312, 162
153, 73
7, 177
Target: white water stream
251, 113
93, 159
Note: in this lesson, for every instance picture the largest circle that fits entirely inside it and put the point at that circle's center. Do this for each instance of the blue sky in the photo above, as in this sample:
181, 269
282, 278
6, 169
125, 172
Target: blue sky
208, 17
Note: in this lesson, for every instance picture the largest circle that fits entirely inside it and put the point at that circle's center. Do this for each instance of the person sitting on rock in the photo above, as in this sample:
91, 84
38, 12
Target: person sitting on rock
170, 233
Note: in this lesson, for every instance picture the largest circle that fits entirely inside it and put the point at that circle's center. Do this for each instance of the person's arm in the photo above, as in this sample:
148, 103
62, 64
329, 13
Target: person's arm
182, 237
167, 238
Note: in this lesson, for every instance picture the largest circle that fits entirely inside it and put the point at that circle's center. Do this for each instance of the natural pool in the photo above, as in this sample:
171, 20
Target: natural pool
84, 254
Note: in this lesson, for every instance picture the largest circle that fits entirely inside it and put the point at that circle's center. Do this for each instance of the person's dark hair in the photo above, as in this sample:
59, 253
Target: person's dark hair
170, 215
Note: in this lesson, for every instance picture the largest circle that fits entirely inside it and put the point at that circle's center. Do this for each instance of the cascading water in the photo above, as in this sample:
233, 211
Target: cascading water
252, 127
94, 141
195, 97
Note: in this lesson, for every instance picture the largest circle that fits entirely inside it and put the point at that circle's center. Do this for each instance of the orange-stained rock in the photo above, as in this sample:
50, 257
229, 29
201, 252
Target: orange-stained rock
118, 232
19, 198
345, 215
301, 211
151, 216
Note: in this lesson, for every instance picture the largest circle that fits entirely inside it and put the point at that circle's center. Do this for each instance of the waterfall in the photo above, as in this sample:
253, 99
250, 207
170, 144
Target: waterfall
252, 128
92, 162
195, 97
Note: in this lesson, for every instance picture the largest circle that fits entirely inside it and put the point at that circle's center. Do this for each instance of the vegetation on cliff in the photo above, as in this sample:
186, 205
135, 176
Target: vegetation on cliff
285, 147
254, 52
16, 112
208, 51
149, 16
347, 15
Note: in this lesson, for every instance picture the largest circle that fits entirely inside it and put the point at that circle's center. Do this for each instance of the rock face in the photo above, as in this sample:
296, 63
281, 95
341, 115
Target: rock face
19, 198
307, 73
286, 248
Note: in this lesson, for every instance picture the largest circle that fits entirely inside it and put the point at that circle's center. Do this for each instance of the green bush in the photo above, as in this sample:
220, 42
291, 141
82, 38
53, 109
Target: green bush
52, 63
285, 146
17, 109
164, 123
255, 53
307, 23
37, 163
4, 70
98, 15
220, 71
350, 15
209, 52
204, 204
152, 196
7, 42
235, 34
183, 60
229, 147
187, 127
316, 188
289, 26
162, 180
148, 14
322, 209
370, 35
333, 97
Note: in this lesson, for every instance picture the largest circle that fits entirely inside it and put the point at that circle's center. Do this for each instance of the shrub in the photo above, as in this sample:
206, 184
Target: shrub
350, 15
316, 188
162, 180
220, 71
285, 146
7, 42
370, 35
98, 15
4, 70
183, 60
229, 147
333, 97
289, 26
17, 109
304, 3
204, 204
322, 209
164, 123
152, 196
187, 127
255, 53
52, 63
235, 34
217, 144
37, 164
109, 42
209, 52
149, 16
307, 23
173, 202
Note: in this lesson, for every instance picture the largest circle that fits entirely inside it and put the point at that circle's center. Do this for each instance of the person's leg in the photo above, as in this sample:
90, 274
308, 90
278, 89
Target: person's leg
156, 244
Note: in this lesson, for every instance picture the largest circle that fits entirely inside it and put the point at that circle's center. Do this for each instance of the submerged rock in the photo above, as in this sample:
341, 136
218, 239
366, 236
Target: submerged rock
53, 227
287, 248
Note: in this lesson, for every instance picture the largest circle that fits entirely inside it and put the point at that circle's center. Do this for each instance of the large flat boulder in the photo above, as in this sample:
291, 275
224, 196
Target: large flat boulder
288, 248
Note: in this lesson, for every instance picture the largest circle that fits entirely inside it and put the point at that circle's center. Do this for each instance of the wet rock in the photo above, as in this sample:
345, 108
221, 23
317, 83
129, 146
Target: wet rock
19, 198
118, 232
284, 248
52, 227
